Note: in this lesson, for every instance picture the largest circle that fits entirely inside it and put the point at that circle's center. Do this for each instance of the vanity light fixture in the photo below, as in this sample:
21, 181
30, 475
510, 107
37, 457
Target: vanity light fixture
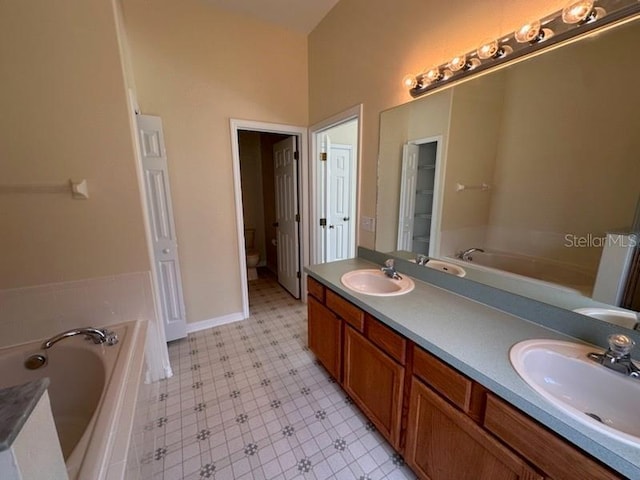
582, 11
577, 18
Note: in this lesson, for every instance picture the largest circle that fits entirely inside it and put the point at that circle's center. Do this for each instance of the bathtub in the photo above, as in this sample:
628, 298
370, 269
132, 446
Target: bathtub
87, 391
544, 270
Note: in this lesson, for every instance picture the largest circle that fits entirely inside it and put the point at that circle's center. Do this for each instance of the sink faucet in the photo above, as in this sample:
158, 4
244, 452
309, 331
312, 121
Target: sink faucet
422, 259
98, 336
617, 357
389, 270
466, 254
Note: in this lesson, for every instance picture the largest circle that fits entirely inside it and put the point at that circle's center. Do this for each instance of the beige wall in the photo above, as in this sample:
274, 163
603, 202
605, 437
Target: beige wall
363, 48
197, 67
64, 115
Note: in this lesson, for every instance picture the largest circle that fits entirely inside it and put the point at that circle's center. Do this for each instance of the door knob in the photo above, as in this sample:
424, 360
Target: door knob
331, 226
346, 219
165, 250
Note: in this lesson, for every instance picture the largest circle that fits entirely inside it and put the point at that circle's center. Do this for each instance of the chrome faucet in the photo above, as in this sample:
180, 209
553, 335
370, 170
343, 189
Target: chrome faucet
98, 336
422, 259
466, 254
618, 356
389, 270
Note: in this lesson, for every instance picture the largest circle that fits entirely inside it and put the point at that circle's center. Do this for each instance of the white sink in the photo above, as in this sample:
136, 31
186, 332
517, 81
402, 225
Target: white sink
375, 282
622, 318
598, 397
446, 267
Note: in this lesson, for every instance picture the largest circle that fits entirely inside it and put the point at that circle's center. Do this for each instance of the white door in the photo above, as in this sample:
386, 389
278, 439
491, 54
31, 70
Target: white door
408, 180
339, 203
165, 247
287, 215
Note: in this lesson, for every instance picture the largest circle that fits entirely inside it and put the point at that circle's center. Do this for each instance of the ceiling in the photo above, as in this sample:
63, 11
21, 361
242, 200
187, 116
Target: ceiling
298, 15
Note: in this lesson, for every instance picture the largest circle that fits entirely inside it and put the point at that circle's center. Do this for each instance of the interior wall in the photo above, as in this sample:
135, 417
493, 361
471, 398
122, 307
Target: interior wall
64, 115
197, 66
362, 49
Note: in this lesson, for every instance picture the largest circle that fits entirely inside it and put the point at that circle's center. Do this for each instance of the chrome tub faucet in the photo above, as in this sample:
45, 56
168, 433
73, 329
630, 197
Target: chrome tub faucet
96, 335
618, 356
466, 254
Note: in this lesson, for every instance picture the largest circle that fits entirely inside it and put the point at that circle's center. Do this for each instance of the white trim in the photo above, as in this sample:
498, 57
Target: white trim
353, 113
215, 322
302, 134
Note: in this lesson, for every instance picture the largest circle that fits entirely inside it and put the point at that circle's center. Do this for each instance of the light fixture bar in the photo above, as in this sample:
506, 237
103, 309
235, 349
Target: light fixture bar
553, 30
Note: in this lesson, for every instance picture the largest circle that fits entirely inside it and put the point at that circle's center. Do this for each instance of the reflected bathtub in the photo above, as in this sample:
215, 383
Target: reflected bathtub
544, 270
88, 383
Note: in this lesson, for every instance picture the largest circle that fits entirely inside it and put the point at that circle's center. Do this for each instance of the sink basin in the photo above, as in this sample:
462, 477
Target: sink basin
622, 318
447, 267
374, 282
592, 394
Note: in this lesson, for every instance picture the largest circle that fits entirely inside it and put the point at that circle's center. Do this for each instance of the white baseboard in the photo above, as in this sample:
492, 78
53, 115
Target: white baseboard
214, 322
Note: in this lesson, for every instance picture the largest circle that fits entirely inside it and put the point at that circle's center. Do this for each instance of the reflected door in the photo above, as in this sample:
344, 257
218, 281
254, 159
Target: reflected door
416, 196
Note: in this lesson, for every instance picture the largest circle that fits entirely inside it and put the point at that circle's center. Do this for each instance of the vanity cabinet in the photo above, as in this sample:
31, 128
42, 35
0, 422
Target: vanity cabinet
446, 425
375, 381
443, 443
325, 337
558, 459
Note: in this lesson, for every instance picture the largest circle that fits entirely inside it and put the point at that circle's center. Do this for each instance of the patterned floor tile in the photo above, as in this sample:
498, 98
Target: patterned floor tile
249, 400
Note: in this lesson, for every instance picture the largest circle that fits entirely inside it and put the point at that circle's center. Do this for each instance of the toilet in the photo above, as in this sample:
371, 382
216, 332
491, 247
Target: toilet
252, 254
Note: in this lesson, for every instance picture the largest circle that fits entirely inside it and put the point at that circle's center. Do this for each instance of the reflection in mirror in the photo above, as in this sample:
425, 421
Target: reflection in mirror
536, 164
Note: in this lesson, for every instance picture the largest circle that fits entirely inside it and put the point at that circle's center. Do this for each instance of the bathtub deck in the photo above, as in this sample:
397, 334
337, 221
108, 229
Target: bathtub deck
249, 402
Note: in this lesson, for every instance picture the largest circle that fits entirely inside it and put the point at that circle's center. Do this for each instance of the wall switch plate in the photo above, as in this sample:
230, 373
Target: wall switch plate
368, 223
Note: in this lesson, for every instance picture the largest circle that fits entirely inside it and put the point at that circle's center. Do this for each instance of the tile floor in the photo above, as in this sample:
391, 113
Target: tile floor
249, 401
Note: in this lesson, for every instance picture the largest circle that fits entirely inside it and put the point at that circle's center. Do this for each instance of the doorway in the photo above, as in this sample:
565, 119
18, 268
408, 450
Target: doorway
335, 145
269, 172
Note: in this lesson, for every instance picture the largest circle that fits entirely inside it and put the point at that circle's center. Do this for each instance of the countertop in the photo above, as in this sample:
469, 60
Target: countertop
16, 404
476, 339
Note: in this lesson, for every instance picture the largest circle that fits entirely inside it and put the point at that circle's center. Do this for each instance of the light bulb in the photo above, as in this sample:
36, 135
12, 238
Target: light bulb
532, 33
410, 81
458, 63
433, 75
581, 11
492, 49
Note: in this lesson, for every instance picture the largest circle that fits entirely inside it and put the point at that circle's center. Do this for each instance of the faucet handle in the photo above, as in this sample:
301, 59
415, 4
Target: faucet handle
620, 345
389, 263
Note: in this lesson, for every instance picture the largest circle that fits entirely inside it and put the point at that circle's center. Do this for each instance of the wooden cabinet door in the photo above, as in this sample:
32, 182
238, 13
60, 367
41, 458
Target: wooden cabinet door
375, 382
325, 337
445, 444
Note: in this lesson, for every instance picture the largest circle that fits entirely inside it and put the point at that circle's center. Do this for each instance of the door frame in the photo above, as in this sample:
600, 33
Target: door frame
301, 133
353, 113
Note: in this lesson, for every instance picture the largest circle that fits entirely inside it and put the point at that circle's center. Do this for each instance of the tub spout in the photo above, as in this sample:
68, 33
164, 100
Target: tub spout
98, 336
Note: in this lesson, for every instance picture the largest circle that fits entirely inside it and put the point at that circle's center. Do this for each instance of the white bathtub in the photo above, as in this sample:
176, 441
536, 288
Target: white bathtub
545, 270
88, 390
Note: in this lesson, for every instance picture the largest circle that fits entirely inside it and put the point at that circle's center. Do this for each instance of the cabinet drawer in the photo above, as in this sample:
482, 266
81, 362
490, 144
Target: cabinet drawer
553, 455
458, 389
386, 339
345, 310
315, 288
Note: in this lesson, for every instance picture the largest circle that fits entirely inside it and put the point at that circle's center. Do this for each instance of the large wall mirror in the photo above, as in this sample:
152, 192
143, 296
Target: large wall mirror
534, 163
